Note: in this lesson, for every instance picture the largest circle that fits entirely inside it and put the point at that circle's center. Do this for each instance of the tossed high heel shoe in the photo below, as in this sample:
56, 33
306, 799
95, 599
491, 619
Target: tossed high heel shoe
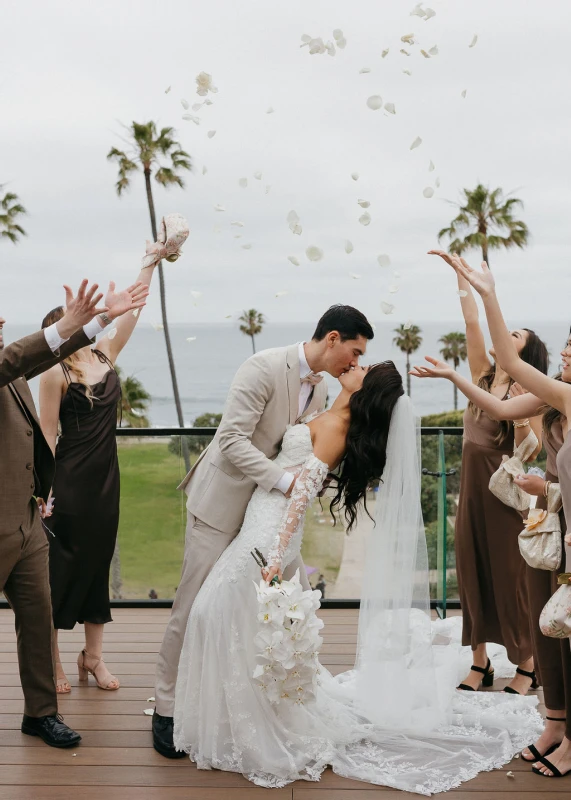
537, 756
84, 671
532, 675
487, 680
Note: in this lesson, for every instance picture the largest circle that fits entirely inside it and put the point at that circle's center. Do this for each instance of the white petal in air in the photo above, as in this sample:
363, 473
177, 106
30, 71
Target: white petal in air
437, 183
408, 39
364, 70
417, 11
246, 246
330, 47
365, 219
462, 293
375, 102
313, 253
294, 260
237, 224
208, 101
474, 40
337, 34
243, 183
429, 13
113, 332
204, 84
305, 38
211, 134
349, 246
167, 90
384, 260
228, 316
185, 104
404, 52
385, 53
390, 108
237, 236
407, 325
191, 339
354, 276
387, 308
268, 187
157, 326
204, 170
434, 50
431, 167
197, 106
428, 192
355, 176
364, 203
258, 176
191, 118
393, 289
396, 275
148, 712
425, 54
196, 295
269, 110
407, 72
464, 93
150, 699
417, 142
136, 312
341, 43
219, 208
281, 294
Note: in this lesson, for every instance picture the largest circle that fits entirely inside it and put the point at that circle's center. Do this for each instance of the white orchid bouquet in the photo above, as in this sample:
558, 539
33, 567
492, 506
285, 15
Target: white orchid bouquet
287, 641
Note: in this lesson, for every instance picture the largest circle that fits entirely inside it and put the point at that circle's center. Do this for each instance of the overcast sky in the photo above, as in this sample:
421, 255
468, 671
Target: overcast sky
72, 72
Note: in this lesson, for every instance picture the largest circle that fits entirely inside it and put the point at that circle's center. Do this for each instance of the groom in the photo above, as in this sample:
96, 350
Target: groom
271, 390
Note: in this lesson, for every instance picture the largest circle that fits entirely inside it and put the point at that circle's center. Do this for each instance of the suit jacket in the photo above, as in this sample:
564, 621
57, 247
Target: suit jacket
26, 461
263, 400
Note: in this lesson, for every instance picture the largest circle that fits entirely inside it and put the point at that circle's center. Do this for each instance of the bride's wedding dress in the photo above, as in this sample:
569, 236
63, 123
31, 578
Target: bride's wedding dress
395, 720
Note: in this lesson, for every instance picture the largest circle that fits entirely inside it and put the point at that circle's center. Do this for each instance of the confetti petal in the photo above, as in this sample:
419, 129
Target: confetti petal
341, 43
149, 712
464, 93
355, 176
434, 50
150, 699
258, 176
404, 52
396, 275
417, 11
243, 183
393, 288
191, 118
354, 276
390, 107
384, 260
204, 170
228, 316
269, 110
268, 187
204, 84
385, 53
437, 183
429, 13
407, 325
136, 312
337, 34
330, 47
305, 38
314, 253
196, 295
246, 246
364, 70
425, 54
510, 774
167, 90
375, 102
462, 293
431, 167
185, 104
211, 134
157, 326
294, 260
387, 308
349, 246
281, 294
417, 142
208, 101
428, 192
237, 236
191, 339
237, 224
365, 219
219, 208
408, 39
364, 203
474, 40
112, 333
407, 72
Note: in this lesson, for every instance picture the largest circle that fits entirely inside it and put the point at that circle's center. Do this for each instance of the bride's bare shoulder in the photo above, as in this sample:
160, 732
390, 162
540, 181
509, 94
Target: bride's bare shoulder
329, 435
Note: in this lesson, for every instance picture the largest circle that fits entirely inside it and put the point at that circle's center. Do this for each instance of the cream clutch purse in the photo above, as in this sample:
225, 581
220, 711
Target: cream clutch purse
555, 619
502, 481
540, 541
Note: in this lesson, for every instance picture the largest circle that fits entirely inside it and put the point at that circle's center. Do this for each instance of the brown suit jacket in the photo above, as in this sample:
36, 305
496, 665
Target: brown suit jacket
26, 461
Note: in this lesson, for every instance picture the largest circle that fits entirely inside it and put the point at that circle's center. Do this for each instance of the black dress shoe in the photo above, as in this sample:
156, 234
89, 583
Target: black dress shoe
163, 728
52, 730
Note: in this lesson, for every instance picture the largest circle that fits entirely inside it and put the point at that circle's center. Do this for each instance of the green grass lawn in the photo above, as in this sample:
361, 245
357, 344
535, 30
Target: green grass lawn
153, 520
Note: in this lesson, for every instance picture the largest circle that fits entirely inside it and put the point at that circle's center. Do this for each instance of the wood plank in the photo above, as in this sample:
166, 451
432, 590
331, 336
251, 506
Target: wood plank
317, 792
142, 793
88, 722
118, 739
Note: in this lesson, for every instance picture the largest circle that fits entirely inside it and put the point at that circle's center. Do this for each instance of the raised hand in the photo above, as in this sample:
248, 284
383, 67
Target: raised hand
443, 255
118, 303
483, 282
439, 369
80, 309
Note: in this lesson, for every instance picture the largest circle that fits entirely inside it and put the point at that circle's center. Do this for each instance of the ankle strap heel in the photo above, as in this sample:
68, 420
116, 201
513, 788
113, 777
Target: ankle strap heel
531, 675
487, 680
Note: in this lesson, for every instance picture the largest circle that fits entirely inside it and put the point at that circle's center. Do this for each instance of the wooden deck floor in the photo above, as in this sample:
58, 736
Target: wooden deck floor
116, 761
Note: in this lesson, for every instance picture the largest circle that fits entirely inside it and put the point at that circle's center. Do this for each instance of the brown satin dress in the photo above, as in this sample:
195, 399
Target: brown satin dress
490, 569
563, 470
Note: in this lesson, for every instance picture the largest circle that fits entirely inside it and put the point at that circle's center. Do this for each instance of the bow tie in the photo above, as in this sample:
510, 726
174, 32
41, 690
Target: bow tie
312, 378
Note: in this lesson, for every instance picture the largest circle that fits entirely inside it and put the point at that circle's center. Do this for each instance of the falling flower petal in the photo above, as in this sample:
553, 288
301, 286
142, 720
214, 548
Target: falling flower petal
112, 333
365, 219
341, 43
204, 84
364, 203
191, 339
208, 101
349, 246
268, 187
474, 40
425, 54
404, 52
390, 107
407, 72
384, 260
375, 102
237, 236
243, 182
417, 142
237, 224
431, 167
258, 176
464, 93
407, 325
337, 34
396, 275
294, 260
408, 39
197, 106
211, 134
305, 38
191, 118
246, 246
437, 183
314, 253
355, 176
150, 699
149, 712
385, 53
393, 288
167, 90
269, 110
510, 774
429, 13
417, 11
196, 295
219, 208
157, 326
228, 316
136, 312
364, 70
462, 293
281, 294
354, 276
428, 192
434, 50
185, 104
204, 170
387, 308
330, 47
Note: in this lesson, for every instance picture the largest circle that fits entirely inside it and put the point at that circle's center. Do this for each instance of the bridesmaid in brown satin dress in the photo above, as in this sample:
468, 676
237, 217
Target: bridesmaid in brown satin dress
489, 566
556, 394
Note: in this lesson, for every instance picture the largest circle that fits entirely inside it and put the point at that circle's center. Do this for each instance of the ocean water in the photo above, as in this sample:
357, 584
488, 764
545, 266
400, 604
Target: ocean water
205, 366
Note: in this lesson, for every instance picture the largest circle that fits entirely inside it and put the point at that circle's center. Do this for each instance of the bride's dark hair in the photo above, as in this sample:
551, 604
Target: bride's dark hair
366, 453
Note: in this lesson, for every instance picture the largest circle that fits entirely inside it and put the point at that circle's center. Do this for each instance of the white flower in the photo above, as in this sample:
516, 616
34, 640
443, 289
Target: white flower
474, 40
211, 134
425, 54
148, 711
191, 118
185, 104
364, 203
204, 84
434, 50
258, 176
365, 219
364, 70
341, 43
219, 208
294, 223
464, 93
313, 253
387, 308
294, 260
417, 142
305, 38
428, 192
243, 182
349, 246
390, 107
355, 176
157, 326
385, 53
408, 39
375, 102
208, 101
384, 260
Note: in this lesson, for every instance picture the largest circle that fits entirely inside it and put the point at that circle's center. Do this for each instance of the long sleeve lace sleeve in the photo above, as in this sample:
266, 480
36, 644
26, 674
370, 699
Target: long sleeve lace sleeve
307, 486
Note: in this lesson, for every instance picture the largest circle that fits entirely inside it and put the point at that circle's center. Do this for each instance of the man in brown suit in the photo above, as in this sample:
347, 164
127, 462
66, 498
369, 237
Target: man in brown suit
26, 472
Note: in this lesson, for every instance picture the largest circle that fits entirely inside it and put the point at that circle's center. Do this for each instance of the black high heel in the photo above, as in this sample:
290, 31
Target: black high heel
532, 675
535, 752
487, 680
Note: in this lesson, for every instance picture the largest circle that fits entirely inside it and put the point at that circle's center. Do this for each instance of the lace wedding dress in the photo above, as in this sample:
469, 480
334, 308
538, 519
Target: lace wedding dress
224, 721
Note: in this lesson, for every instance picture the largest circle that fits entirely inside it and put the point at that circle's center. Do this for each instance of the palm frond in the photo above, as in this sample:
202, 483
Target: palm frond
168, 177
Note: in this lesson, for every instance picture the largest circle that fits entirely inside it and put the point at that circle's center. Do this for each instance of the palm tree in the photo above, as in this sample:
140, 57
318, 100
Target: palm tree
481, 212
10, 210
253, 321
408, 340
134, 402
147, 147
454, 350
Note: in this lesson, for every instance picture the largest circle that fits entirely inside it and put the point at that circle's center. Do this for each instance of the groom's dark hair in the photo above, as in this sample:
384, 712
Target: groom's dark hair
347, 321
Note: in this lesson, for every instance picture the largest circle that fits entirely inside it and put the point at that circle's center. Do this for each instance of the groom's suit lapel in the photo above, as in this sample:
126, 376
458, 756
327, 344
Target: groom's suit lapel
293, 381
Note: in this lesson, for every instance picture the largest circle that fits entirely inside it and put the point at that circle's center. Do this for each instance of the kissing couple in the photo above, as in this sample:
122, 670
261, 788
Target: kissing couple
396, 719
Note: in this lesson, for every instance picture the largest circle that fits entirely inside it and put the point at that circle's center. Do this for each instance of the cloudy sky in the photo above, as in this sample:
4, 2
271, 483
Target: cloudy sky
72, 73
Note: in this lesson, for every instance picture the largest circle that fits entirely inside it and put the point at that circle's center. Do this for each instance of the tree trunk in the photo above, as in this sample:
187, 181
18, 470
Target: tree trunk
116, 582
456, 365
485, 254
408, 374
170, 356
253, 345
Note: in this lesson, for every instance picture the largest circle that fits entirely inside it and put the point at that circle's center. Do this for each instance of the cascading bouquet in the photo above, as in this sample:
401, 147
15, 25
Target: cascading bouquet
287, 641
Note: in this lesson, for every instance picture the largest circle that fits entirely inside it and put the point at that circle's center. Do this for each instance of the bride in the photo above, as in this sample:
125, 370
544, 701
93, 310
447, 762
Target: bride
395, 719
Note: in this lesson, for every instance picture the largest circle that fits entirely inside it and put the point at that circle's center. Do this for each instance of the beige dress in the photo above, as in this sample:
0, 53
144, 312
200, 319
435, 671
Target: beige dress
491, 571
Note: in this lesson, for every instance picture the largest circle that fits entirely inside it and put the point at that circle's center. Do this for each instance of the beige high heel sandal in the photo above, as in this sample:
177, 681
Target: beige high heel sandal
84, 672
63, 686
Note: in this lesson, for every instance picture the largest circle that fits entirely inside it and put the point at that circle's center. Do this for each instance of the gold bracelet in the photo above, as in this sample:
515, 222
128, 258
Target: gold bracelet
523, 424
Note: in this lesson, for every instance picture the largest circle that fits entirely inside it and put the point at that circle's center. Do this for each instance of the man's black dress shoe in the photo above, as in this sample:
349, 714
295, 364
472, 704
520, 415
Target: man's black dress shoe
52, 730
163, 728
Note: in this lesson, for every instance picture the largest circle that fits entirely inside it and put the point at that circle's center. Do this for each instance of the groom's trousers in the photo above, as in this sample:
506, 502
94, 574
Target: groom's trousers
203, 547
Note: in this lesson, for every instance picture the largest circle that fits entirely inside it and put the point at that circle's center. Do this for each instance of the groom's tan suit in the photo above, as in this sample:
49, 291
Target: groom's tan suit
263, 400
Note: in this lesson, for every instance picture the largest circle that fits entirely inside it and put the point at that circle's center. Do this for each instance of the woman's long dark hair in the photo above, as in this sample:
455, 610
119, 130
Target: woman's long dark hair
535, 353
366, 453
552, 415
